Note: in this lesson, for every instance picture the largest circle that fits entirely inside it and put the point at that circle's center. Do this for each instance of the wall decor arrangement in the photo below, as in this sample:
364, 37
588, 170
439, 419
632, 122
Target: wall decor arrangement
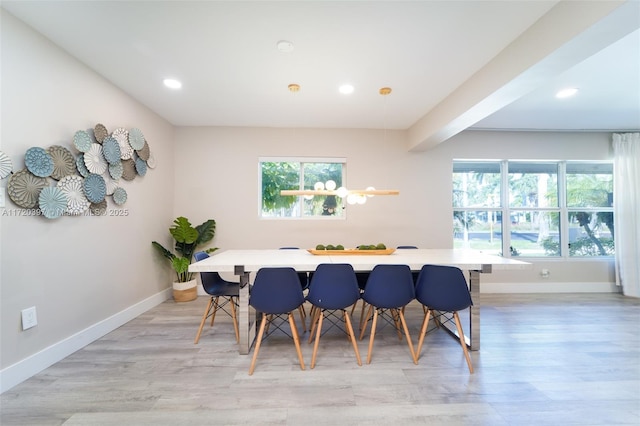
57, 181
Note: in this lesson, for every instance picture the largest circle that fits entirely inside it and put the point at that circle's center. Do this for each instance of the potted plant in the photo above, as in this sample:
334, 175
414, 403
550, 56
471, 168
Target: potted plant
188, 239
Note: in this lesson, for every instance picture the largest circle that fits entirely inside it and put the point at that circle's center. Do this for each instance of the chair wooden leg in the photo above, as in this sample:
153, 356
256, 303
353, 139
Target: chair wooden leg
462, 342
315, 311
204, 318
396, 322
315, 345
352, 335
373, 335
258, 341
296, 339
406, 333
362, 316
302, 316
423, 331
215, 309
234, 317
363, 327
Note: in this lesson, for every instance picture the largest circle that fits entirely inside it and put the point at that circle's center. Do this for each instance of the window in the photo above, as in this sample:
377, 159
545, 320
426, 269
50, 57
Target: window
553, 208
277, 174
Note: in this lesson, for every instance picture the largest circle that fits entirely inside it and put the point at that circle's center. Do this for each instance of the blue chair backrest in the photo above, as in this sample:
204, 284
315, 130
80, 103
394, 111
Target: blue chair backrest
334, 286
276, 291
443, 288
389, 286
210, 280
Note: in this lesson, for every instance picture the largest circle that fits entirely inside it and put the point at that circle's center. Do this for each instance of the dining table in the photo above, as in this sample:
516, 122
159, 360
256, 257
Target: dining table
244, 262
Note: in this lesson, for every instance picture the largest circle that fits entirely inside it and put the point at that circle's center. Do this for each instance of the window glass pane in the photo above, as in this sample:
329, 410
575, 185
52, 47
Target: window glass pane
533, 184
476, 184
591, 234
478, 230
589, 184
329, 205
535, 233
277, 176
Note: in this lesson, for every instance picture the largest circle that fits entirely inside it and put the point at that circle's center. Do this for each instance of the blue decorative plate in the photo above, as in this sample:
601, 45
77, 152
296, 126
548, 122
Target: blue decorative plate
52, 202
94, 188
82, 140
82, 169
141, 166
38, 162
136, 139
116, 170
119, 196
111, 150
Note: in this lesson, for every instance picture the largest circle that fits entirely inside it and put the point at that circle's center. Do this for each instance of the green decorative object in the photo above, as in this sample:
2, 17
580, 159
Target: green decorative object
188, 239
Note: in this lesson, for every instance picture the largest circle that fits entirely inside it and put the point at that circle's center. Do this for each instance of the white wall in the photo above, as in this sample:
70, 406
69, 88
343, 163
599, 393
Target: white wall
217, 177
77, 271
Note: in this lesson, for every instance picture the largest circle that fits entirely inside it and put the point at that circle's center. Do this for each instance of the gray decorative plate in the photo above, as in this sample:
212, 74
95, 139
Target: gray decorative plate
95, 188
100, 132
111, 150
52, 202
5, 165
64, 163
38, 162
144, 151
24, 188
72, 187
98, 209
119, 196
129, 169
82, 140
136, 139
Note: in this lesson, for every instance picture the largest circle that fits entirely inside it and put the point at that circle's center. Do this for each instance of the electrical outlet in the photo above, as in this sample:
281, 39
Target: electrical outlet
29, 318
545, 273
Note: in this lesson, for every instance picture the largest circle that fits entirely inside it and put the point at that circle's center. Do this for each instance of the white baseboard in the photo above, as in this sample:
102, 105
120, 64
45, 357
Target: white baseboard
550, 287
24, 369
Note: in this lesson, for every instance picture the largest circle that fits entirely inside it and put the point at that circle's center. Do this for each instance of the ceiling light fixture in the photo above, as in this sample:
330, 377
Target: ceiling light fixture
285, 46
293, 87
172, 83
346, 89
353, 196
567, 93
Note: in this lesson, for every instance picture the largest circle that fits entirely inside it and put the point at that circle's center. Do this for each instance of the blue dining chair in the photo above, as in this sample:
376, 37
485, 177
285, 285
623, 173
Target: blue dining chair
333, 288
216, 287
276, 292
389, 289
304, 283
444, 289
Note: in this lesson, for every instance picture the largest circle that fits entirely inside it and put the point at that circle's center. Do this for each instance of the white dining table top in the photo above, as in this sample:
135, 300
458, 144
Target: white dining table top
302, 260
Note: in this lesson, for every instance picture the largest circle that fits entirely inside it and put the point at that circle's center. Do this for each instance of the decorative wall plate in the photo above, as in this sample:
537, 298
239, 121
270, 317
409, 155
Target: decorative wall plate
82, 140
5, 165
94, 188
144, 151
52, 202
110, 183
98, 209
38, 161
141, 166
24, 188
136, 139
72, 187
63, 162
111, 150
151, 162
129, 169
94, 160
116, 170
119, 196
80, 166
100, 132
122, 136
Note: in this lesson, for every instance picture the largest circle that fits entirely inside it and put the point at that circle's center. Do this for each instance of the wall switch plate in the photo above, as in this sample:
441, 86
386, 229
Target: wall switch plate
29, 318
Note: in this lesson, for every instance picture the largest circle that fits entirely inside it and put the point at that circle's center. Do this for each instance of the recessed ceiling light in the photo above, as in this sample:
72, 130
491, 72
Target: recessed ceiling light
285, 46
566, 93
346, 89
172, 83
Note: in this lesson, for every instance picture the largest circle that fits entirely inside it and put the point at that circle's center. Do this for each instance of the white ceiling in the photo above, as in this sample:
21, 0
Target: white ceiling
484, 64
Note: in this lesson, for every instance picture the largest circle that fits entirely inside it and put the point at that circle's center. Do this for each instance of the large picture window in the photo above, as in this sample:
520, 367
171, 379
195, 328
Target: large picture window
552, 208
277, 174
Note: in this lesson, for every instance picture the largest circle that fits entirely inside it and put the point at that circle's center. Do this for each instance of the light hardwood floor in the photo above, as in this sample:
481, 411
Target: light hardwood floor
563, 359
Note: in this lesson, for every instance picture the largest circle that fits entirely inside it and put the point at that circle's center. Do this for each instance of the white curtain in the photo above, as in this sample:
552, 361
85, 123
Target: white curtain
626, 211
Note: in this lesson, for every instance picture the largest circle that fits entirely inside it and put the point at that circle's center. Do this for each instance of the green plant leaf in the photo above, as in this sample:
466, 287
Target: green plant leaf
206, 231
